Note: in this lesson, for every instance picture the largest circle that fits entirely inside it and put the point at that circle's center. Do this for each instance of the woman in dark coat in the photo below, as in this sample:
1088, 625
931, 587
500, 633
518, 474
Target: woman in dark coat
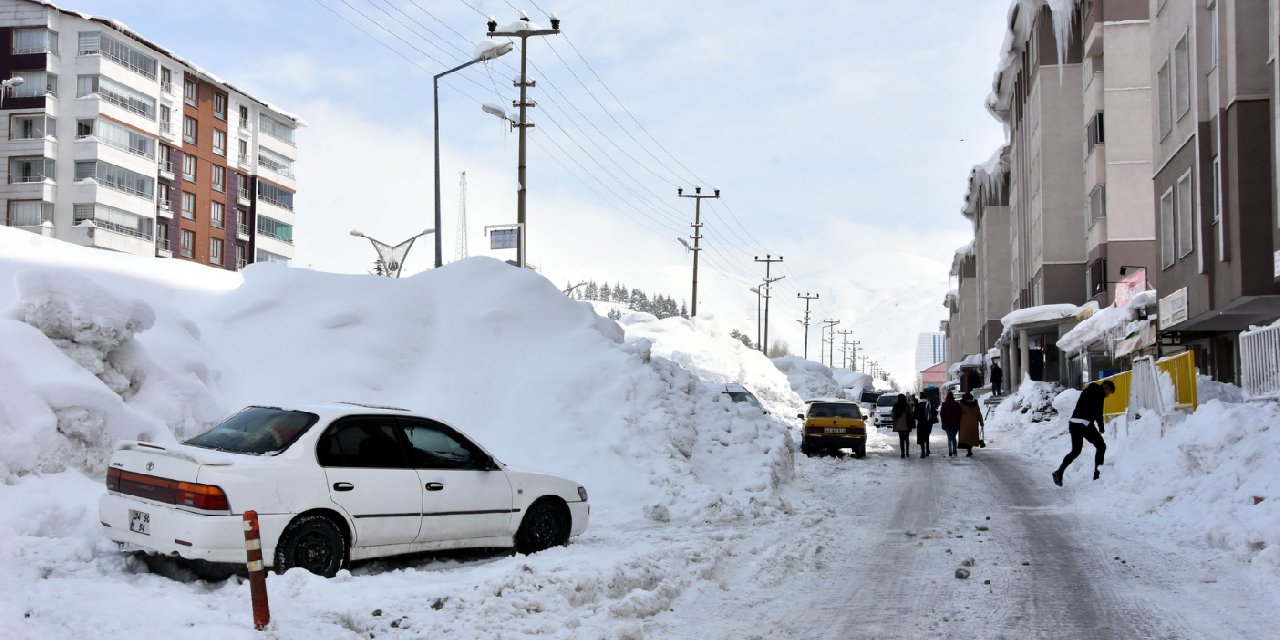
970, 421
950, 414
924, 416
903, 423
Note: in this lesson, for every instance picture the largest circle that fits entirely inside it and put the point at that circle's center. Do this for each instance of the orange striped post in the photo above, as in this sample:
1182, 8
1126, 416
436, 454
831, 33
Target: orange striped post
257, 571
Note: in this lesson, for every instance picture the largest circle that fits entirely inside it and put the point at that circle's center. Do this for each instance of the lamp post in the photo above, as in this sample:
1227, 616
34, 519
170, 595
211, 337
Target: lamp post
484, 51
391, 257
524, 32
7, 85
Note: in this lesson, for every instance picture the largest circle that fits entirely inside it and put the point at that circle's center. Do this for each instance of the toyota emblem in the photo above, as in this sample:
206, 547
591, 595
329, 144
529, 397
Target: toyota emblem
150, 466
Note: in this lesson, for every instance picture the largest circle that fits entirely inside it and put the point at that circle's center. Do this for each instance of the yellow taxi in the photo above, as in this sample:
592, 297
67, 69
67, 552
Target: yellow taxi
831, 425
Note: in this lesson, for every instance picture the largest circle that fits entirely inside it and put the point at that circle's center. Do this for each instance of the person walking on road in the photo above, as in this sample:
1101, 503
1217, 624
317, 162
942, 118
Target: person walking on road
903, 423
1087, 414
970, 423
925, 415
997, 377
950, 415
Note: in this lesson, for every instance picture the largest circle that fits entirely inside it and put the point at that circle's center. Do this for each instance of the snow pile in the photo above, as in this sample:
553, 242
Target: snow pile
1204, 479
853, 382
808, 378
703, 346
1033, 402
1042, 313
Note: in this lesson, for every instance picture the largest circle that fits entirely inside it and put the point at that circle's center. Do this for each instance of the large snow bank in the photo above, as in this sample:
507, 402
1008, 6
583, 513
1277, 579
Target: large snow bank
853, 382
808, 378
1112, 321
1204, 479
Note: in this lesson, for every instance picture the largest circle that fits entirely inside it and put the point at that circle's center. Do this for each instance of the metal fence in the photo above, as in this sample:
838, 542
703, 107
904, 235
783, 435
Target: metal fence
1260, 362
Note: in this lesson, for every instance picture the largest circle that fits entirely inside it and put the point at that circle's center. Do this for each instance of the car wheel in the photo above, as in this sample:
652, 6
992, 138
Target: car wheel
861, 450
545, 525
806, 449
315, 543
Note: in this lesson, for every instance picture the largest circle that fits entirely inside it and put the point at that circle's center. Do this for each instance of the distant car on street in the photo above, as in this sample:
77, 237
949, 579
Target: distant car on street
884, 408
831, 425
331, 483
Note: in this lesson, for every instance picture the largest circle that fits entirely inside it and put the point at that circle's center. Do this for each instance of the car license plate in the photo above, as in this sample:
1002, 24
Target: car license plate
833, 430
140, 522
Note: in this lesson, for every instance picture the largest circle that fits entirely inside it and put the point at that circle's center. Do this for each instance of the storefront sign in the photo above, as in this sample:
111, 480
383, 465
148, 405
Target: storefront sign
1173, 308
1131, 285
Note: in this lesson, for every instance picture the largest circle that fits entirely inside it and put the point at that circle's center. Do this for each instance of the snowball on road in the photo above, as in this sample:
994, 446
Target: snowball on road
706, 521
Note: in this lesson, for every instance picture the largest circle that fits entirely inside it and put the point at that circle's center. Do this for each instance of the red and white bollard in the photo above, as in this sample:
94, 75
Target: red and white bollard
257, 571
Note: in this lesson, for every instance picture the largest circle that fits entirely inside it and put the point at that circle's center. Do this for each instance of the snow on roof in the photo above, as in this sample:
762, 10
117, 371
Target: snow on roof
1021, 18
1038, 314
124, 29
1109, 322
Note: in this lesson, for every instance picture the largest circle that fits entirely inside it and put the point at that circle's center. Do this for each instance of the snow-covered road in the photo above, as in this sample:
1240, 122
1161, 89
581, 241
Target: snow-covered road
882, 539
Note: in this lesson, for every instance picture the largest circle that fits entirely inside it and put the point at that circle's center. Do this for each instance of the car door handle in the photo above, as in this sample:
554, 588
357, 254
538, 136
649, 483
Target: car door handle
343, 486
435, 486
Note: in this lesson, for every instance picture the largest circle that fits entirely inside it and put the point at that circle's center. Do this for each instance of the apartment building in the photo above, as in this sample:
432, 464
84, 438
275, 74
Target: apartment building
1117, 122
961, 302
986, 206
1213, 176
112, 141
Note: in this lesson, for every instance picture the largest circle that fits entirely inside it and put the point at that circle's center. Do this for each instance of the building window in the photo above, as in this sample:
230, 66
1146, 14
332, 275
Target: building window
166, 80
188, 205
277, 196
188, 130
117, 220
1166, 104
117, 136
276, 162
188, 243
35, 41
220, 142
97, 43
1097, 277
29, 213
1186, 217
242, 222
266, 256
215, 250
243, 155
163, 198
1095, 134
1166, 229
31, 127
241, 252
188, 167
1097, 203
189, 91
35, 84
118, 94
1217, 205
219, 175
217, 214
118, 178
244, 117
1213, 36
30, 169
273, 228
275, 128
220, 106
1182, 78
166, 120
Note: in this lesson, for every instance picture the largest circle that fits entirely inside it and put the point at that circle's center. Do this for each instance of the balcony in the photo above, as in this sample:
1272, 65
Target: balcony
163, 249
163, 208
241, 263
243, 197
167, 87
166, 127
243, 160
242, 231
166, 169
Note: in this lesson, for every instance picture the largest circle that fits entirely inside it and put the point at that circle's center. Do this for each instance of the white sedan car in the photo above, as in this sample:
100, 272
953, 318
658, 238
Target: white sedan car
331, 483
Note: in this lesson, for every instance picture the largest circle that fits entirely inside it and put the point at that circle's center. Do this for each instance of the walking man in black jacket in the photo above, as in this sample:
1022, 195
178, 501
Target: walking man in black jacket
1087, 414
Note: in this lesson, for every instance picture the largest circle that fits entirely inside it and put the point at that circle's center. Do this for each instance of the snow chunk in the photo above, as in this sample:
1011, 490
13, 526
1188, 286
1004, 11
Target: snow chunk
1038, 314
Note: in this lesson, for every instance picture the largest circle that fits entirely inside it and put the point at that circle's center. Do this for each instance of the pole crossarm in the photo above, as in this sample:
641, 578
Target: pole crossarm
807, 297
768, 285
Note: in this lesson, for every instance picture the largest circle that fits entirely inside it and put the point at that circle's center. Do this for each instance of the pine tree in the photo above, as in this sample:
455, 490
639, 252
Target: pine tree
742, 337
619, 293
684, 311
592, 292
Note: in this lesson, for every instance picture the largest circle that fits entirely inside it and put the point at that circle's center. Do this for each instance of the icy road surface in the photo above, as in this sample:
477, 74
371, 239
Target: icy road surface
882, 539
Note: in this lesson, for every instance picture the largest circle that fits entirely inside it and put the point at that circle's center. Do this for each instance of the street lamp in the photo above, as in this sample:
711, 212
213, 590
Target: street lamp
485, 51
391, 257
8, 85
523, 29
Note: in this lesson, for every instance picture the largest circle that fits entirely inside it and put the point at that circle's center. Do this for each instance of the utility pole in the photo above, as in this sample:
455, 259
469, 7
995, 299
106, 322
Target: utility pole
768, 266
853, 346
830, 325
524, 33
862, 366
807, 299
846, 333
756, 290
697, 235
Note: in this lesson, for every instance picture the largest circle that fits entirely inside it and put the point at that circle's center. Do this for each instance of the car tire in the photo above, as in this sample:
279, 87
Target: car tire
806, 449
545, 525
861, 450
315, 543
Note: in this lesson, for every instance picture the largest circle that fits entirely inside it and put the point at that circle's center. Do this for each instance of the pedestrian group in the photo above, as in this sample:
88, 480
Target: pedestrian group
961, 420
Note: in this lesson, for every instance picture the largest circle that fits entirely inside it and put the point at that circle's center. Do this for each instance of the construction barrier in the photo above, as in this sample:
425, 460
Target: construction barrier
257, 571
1260, 362
1181, 370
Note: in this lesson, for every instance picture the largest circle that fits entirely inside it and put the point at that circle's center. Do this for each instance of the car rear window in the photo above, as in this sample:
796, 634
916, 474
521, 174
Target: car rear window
256, 430
743, 396
833, 410
886, 400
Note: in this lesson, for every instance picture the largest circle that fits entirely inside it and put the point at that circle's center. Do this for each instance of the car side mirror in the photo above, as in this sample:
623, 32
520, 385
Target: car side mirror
800, 415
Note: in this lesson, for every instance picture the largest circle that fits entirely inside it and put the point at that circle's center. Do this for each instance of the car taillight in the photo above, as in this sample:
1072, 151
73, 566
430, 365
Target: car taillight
185, 494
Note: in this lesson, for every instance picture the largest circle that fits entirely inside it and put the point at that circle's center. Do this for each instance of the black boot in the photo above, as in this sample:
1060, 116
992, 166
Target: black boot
1057, 477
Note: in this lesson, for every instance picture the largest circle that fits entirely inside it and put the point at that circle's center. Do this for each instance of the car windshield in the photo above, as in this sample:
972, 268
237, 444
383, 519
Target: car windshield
833, 410
886, 400
256, 430
743, 396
